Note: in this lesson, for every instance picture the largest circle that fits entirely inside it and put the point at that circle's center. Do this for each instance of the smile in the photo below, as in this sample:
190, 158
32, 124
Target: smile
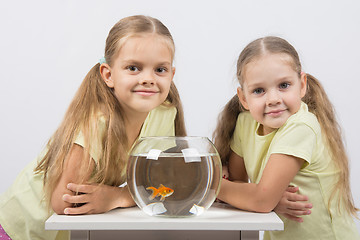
145, 93
275, 113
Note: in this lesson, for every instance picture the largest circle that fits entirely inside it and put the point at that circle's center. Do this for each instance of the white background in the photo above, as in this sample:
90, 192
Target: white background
47, 47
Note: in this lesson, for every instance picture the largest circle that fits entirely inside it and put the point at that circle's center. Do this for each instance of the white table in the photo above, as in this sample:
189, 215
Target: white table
220, 221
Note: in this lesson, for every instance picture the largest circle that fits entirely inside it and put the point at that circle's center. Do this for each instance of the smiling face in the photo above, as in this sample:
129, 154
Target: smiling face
271, 90
141, 73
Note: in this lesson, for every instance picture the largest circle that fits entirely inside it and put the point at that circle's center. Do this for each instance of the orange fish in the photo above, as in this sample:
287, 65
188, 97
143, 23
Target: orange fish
161, 191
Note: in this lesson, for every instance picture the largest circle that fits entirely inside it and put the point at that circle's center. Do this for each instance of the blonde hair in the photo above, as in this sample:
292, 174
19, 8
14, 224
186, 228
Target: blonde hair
94, 97
315, 98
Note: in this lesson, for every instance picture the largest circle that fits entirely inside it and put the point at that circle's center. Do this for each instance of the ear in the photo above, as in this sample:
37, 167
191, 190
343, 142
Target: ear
242, 98
173, 72
105, 72
303, 82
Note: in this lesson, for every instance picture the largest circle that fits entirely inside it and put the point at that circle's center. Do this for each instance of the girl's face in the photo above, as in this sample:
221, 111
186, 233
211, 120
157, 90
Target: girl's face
141, 73
272, 90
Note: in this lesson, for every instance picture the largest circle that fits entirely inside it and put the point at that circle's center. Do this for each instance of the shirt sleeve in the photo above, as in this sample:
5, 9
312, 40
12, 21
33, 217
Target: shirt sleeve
298, 140
95, 139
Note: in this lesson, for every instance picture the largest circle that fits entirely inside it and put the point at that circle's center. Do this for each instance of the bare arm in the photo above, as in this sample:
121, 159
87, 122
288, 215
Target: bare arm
237, 170
264, 196
69, 174
95, 198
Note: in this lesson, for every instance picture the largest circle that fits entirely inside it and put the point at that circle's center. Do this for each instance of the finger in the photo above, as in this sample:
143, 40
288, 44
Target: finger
299, 205
83, 198
296, 197
297, 213
292, 189
83, 188
293, 218
84, 209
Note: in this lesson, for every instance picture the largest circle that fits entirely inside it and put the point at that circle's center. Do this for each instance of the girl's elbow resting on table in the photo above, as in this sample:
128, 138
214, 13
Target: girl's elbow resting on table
263, 207
264, 200
260, 204
58, 209
59, 205
247, 196
251, 204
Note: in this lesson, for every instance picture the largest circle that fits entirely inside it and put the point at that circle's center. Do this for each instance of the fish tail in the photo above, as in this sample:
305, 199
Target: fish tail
154, 192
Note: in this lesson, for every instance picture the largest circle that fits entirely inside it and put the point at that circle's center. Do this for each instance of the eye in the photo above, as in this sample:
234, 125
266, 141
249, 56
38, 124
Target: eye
161, 70
133, 68
258, 91
284, 85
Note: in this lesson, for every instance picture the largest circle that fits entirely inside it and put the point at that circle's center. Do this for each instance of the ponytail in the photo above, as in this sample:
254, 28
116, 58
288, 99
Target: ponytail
319, 104
92, 97
225, 128
174, 98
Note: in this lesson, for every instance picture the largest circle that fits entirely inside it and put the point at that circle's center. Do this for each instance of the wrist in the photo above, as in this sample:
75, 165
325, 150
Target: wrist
124, 198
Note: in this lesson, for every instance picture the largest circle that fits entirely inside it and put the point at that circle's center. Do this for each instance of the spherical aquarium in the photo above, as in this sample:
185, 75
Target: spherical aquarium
174, 176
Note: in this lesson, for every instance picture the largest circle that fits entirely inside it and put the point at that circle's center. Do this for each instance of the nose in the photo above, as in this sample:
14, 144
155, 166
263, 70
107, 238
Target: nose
148, 78
273, 98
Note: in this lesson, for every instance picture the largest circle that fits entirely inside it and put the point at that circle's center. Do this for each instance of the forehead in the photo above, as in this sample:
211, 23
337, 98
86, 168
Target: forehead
146, 44
269, 66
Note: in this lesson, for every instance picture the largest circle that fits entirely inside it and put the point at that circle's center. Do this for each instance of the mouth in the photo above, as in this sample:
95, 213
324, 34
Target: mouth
275, 113
146, 93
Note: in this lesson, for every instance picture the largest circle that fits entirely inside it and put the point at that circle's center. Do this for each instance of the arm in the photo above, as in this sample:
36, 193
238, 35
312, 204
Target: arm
237, 170
69, 174
97, 198
264, 196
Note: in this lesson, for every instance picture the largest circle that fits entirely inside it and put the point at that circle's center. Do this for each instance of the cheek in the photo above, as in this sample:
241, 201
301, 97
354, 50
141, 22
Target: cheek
256, 109
294, 103
165, 85
256, 104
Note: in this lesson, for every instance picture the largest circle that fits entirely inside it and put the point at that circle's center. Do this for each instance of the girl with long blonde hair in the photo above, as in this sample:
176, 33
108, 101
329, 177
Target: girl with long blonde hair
129, 94
281, 130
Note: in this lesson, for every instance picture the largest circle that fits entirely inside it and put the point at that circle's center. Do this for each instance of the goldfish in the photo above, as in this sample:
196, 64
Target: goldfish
161, 191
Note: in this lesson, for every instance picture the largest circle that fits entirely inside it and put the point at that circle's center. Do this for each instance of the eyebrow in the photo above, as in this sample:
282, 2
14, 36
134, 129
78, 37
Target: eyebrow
130, 61
254, 85
279, 80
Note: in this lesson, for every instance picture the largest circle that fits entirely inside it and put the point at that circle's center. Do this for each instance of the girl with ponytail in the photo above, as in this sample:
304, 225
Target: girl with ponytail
129, 94
280, 131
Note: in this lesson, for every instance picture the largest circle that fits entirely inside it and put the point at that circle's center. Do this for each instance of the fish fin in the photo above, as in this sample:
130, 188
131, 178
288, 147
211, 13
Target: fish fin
161, 186
162, 198
154, 192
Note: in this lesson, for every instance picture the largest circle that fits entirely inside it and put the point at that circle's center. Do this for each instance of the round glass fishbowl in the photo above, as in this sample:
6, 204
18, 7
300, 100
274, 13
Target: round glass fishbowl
174, 176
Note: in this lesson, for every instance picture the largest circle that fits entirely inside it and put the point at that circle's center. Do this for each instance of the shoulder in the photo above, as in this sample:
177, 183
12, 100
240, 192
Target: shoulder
162, 113
160, 121
164, 108
245, 122
245, 126
303, 119
245, 118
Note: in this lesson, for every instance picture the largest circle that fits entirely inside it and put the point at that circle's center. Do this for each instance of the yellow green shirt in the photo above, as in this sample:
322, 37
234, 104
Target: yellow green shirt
22, 211
301, 137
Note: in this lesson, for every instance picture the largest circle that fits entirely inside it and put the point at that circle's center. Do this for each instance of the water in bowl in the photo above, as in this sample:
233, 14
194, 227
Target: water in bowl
172, 185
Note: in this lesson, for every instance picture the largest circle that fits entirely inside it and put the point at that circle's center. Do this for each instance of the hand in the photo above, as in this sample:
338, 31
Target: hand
94, 198
292, 205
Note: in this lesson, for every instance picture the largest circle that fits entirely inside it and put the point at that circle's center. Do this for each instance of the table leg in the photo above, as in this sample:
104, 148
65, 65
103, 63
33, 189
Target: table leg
80, 235
249, 235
